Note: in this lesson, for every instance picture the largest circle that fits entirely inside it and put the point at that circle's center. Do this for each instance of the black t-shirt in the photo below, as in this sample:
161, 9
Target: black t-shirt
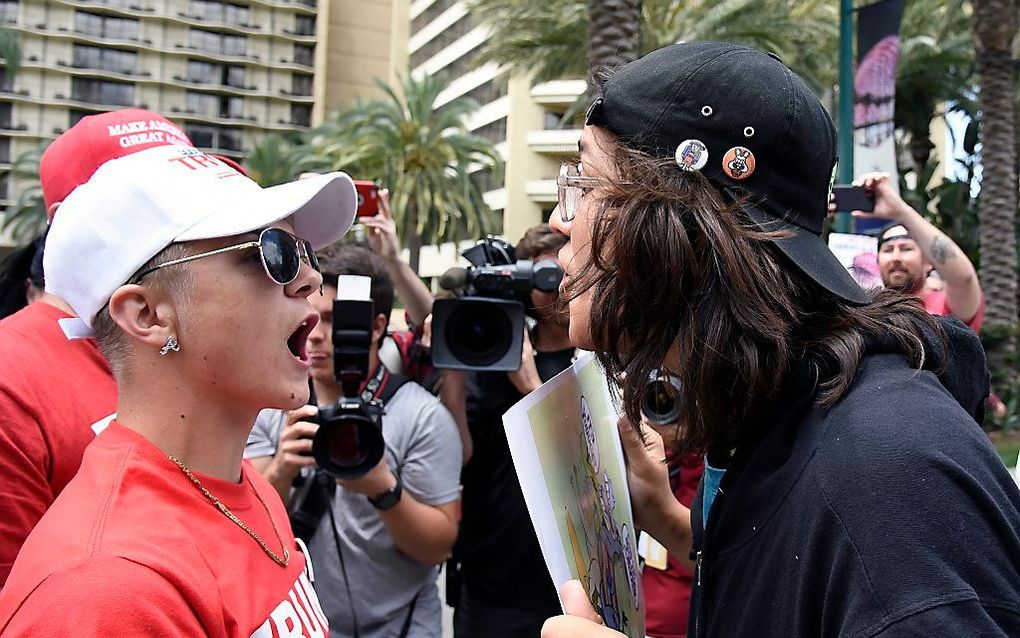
886, 515
501, 562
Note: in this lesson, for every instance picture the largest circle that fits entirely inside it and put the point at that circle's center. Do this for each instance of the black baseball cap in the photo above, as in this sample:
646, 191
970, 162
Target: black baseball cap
747, 123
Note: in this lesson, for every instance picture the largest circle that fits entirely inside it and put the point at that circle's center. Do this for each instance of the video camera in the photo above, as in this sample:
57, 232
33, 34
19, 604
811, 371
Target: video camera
483, 329
349, 440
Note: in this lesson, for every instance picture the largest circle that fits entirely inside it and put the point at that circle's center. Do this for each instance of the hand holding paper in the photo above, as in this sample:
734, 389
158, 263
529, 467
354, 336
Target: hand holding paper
581, 620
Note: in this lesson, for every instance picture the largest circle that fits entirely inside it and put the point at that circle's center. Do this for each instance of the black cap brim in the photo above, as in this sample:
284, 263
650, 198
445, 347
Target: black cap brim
809, 254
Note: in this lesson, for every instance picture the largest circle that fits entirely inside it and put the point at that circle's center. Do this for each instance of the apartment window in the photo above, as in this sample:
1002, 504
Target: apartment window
102, 91
5, 116
301, 85
217, 43
5, 180
304, 54
5, 150
214, 137
105, 59
201, 136
9, 11
461, 65
235, 45
301, 114
304, 25
490, 91
234, 76
220, 12
101, 26
232, 107
443, 39
429, 14
230, 139
75, 116
205, 104
5, 84
485, 180
494, 132
202, 72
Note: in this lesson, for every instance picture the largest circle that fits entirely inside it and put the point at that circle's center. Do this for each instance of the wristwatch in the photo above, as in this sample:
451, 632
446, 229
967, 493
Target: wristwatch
389, 498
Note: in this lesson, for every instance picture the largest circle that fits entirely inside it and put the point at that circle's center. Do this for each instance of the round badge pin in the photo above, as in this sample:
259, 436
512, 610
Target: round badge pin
691, 155
738, 163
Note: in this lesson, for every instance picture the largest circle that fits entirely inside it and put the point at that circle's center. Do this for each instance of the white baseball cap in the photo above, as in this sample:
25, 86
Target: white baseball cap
135, 205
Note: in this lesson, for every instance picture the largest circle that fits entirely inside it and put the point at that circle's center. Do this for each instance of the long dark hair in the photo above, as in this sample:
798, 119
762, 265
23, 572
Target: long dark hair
674, 265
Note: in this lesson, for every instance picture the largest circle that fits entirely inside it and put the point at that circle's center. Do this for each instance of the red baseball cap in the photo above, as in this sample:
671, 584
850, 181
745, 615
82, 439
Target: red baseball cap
72, 158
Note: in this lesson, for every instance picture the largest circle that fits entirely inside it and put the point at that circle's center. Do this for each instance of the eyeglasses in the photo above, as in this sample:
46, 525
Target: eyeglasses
281, 254
572, 187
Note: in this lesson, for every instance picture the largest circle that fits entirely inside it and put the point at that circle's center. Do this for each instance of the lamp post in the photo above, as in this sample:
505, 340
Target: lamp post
844, 221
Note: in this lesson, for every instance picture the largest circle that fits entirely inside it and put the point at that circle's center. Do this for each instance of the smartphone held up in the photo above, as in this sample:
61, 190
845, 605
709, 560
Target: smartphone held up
368, 197
850, 198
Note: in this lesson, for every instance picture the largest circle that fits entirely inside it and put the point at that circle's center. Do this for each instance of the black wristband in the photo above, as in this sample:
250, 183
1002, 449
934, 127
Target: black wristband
389, 498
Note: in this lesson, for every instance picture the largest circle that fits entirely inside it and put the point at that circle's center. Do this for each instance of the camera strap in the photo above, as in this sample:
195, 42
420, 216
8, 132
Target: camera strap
382, 386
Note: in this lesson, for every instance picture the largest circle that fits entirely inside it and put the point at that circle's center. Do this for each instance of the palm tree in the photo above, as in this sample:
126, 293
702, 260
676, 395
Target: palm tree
25, 219
614, 33
994, 27
543, 37
935, 68
10, 51
424, 154
275, 160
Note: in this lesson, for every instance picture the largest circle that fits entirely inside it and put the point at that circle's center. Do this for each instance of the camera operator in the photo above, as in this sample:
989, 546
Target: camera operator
375, 563
381, 233
504, 587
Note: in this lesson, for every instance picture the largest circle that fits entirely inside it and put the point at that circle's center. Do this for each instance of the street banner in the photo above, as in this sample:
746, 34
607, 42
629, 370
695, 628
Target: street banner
878, 47
566, 448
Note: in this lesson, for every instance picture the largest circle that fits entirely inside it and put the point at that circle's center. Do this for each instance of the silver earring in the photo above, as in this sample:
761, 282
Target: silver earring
171, 344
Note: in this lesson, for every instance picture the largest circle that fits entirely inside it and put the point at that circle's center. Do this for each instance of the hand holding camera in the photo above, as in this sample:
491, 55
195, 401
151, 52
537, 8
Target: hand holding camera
526, 378
295, 449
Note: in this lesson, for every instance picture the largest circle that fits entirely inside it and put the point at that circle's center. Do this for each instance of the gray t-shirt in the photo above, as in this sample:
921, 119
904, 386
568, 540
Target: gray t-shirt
423, 448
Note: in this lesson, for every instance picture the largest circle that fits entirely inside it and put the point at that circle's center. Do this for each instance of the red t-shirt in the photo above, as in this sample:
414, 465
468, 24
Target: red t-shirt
132, 548
668, 591
51, 391
935, 303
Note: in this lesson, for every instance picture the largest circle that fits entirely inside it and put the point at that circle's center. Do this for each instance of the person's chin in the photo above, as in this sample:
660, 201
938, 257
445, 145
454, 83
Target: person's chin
580, 337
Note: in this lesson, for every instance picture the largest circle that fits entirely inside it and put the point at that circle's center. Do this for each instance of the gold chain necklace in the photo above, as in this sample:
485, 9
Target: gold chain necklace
282, 561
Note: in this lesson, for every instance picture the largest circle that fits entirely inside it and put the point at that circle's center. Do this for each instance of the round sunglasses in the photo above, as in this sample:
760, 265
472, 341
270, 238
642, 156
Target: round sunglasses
281, 254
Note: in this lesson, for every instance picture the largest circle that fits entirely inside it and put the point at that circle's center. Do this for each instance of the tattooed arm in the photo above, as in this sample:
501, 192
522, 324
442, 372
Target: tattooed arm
963, 290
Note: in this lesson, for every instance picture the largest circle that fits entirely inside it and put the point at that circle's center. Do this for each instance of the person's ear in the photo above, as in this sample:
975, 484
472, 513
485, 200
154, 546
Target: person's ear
148, 316
379, 326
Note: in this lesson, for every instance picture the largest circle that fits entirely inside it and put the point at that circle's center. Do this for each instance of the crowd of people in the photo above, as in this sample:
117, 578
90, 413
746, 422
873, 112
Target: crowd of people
161, 383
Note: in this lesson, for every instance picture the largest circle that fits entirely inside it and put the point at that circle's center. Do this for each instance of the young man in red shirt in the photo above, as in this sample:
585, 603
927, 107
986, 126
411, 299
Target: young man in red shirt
194, 281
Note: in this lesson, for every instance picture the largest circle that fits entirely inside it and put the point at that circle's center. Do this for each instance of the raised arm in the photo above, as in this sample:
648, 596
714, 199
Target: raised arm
963, 290
382, 237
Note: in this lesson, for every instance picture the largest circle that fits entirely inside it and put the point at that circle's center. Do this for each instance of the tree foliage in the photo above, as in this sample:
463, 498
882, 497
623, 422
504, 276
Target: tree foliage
25, 218
424, 154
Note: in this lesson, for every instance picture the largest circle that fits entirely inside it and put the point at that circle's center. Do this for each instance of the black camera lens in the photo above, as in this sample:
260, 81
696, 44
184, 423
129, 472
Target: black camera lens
479, 334
344, 445
660, 404
348, 445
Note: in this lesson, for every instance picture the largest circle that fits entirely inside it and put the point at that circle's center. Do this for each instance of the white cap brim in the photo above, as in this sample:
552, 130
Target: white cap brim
321, 208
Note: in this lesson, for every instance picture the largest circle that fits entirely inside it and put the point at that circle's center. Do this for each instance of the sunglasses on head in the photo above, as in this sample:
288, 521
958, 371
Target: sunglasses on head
281, 254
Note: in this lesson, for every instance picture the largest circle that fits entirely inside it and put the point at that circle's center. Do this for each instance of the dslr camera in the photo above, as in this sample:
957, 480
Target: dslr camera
349, 440
483, 328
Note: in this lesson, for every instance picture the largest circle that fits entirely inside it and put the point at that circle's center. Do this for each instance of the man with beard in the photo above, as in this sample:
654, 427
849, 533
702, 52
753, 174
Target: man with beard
909, 250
